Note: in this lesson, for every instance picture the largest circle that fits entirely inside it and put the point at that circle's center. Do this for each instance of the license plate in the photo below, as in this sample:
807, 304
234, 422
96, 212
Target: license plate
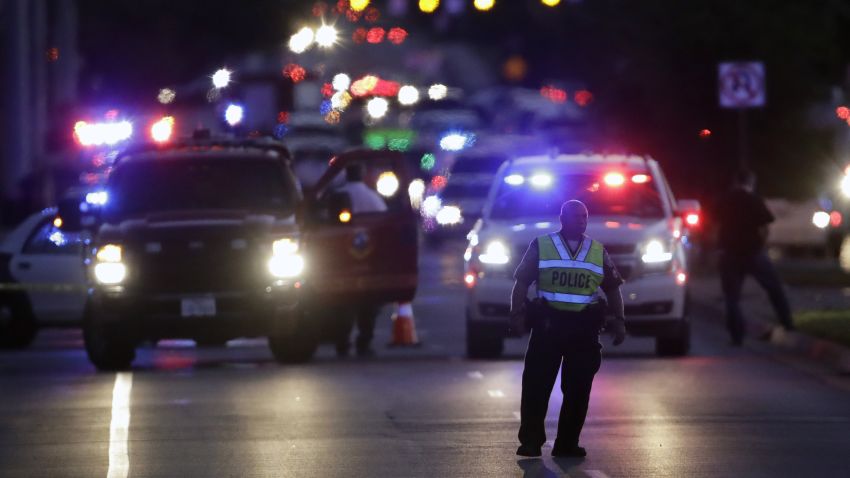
197, 307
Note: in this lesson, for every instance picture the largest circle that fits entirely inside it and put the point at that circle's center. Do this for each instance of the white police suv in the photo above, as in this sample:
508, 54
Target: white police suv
632, 212
42, 278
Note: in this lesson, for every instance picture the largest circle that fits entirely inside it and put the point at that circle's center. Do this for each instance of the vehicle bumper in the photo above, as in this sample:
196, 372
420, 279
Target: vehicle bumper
655, 304
237, 314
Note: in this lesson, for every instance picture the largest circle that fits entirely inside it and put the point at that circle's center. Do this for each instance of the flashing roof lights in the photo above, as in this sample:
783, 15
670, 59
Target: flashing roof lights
820, 219
614, 179
449, 215
408, 95
550, 3
456, 141
387, 184
845, 184
97, 198
326, 36
484, 5
640, 178
514, 180
166, 96
438, 92
428, 6
301, 41
221, 78
359, 5
162, 130
341, 82
431, 206
99, 134
234, 114
377, 107
541, 180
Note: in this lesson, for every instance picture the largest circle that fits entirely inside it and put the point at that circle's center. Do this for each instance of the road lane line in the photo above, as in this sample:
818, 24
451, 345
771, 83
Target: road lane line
475, 375
119, 427
496, 393
596, 474
518, 415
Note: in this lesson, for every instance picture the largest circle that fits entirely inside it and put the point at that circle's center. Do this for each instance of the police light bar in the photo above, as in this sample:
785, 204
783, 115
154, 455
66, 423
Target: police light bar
99, 134
614, 179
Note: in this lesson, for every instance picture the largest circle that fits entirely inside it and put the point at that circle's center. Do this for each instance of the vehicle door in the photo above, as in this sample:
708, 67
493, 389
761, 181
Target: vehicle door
362, 256
50, 265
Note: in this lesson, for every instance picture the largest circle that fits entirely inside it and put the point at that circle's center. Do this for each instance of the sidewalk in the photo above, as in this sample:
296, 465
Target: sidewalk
761, 321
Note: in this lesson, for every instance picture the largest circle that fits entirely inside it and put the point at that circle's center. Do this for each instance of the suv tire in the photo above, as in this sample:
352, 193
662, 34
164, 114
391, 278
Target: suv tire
18, 326
483, 342
677, 346
297, 346
107, 348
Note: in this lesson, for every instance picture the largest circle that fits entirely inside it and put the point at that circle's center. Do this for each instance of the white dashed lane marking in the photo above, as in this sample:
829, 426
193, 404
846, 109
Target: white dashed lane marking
475, 375
517, 415
119, 427
496, 393
596, 474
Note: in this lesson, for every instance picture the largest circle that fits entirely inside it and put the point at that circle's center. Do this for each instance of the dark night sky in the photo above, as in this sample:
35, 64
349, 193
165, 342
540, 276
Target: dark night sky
651, 64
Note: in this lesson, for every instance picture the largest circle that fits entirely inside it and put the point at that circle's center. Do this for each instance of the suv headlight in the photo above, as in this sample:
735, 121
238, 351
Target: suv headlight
496, 253
655, 252
108, 268
286, 262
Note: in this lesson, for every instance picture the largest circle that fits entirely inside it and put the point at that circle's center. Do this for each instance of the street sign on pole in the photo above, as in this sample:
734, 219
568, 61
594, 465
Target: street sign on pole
741, 85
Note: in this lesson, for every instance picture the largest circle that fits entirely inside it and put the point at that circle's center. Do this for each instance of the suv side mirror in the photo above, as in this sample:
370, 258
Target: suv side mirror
339, 207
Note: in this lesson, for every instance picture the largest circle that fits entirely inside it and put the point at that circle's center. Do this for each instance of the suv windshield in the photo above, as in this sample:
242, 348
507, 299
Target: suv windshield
141, 187
526, 200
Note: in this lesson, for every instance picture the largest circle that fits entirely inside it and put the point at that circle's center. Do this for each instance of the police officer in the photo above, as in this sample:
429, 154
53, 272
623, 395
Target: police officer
569, 269
364, 200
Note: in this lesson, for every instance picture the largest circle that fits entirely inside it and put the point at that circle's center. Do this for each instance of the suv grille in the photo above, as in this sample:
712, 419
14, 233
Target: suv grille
197, 266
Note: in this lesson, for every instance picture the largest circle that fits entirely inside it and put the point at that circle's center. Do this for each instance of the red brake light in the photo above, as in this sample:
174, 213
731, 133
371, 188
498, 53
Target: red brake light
640, 178
692, 219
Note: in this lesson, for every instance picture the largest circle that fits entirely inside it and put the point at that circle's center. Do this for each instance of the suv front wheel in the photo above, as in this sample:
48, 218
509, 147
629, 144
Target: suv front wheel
296, 345
107, 348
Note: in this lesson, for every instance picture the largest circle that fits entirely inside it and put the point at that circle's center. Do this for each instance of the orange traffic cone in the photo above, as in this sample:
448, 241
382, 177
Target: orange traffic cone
404, 330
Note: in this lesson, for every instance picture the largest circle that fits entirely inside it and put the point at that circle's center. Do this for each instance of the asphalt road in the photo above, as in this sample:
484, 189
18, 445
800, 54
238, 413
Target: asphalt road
428, 412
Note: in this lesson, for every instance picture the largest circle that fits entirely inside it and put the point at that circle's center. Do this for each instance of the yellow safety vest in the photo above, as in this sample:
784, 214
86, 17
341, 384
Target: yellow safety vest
569, 282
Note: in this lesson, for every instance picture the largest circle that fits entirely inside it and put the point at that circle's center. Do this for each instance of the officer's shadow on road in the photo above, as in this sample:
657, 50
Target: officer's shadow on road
536, 467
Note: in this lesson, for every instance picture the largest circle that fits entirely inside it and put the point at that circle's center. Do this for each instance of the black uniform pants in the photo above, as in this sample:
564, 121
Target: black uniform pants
364, 316
573, 347
733, 269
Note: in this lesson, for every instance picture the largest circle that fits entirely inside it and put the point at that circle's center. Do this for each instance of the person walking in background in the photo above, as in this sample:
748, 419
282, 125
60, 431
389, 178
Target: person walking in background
743, 219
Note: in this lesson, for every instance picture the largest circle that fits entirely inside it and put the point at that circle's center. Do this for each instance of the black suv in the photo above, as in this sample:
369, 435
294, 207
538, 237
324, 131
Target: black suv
197, 240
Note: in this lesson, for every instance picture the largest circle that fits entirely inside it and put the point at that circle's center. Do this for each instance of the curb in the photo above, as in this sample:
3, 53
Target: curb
834, 355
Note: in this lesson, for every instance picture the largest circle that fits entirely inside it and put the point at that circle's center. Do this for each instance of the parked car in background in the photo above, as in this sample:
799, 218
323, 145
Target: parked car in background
42, 278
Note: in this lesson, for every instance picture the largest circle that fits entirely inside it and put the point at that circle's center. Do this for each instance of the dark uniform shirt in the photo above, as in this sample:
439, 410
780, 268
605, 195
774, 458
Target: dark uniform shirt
527, 271
740, 215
